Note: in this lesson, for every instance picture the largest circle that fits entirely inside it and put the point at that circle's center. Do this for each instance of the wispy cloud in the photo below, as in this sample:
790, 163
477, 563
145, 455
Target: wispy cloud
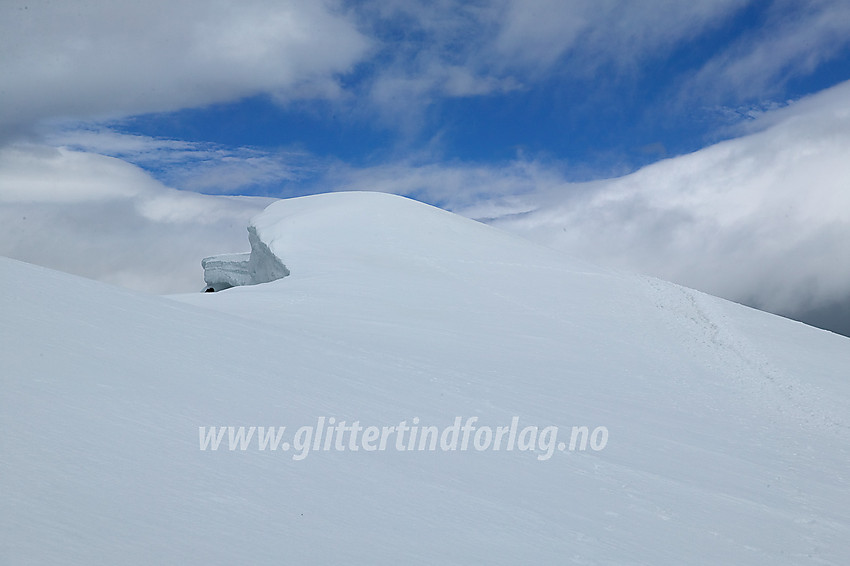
386, 59
471, 189
426, 53
535, 35
796, 38
194, 166
430, 51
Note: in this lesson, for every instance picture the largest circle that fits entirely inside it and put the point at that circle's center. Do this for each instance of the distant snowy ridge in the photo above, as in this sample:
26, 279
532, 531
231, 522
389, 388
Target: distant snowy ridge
260, 265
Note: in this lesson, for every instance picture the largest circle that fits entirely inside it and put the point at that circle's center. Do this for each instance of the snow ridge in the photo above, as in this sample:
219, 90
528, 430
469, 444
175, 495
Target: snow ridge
261, 265
728, 436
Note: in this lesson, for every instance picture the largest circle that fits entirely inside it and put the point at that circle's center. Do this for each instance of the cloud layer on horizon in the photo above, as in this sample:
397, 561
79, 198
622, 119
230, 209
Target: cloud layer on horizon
102, 218
762, 219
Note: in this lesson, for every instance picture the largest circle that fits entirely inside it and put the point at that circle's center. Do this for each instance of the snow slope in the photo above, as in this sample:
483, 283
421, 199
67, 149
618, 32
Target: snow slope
728, 427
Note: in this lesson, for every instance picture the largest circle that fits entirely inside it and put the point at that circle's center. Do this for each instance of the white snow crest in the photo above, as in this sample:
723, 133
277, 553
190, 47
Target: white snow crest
261, 265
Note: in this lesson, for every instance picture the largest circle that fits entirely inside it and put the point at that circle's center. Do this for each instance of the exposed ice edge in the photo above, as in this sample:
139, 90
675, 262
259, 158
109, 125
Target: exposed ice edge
233, 270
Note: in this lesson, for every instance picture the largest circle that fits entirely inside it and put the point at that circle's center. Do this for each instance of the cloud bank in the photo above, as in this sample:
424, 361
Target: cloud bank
105, 219
762, 219
103, 59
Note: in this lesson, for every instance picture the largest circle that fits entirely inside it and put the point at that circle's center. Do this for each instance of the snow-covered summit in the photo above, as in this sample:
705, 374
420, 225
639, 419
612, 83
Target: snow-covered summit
306, 231
367, 229
728, 427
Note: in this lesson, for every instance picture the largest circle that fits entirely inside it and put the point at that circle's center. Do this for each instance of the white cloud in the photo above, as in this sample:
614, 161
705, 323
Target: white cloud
536, 34
795, 40
101, 58
460, 187
454, 49
46, 174
105, 219
200, 167
728, 219
762, 219
539, 36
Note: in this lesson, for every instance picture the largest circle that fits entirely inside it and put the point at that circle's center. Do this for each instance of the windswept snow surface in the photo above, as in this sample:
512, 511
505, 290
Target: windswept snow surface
728, 427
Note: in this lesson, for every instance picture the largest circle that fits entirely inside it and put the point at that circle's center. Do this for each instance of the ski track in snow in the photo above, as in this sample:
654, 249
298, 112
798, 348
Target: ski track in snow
759, 380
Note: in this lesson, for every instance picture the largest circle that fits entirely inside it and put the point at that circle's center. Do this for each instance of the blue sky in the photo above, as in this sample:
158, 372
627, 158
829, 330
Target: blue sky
595, 89
601, 121
597, 114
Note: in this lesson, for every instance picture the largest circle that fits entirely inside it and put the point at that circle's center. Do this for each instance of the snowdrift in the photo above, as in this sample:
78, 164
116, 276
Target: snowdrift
728, 429
260, 265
